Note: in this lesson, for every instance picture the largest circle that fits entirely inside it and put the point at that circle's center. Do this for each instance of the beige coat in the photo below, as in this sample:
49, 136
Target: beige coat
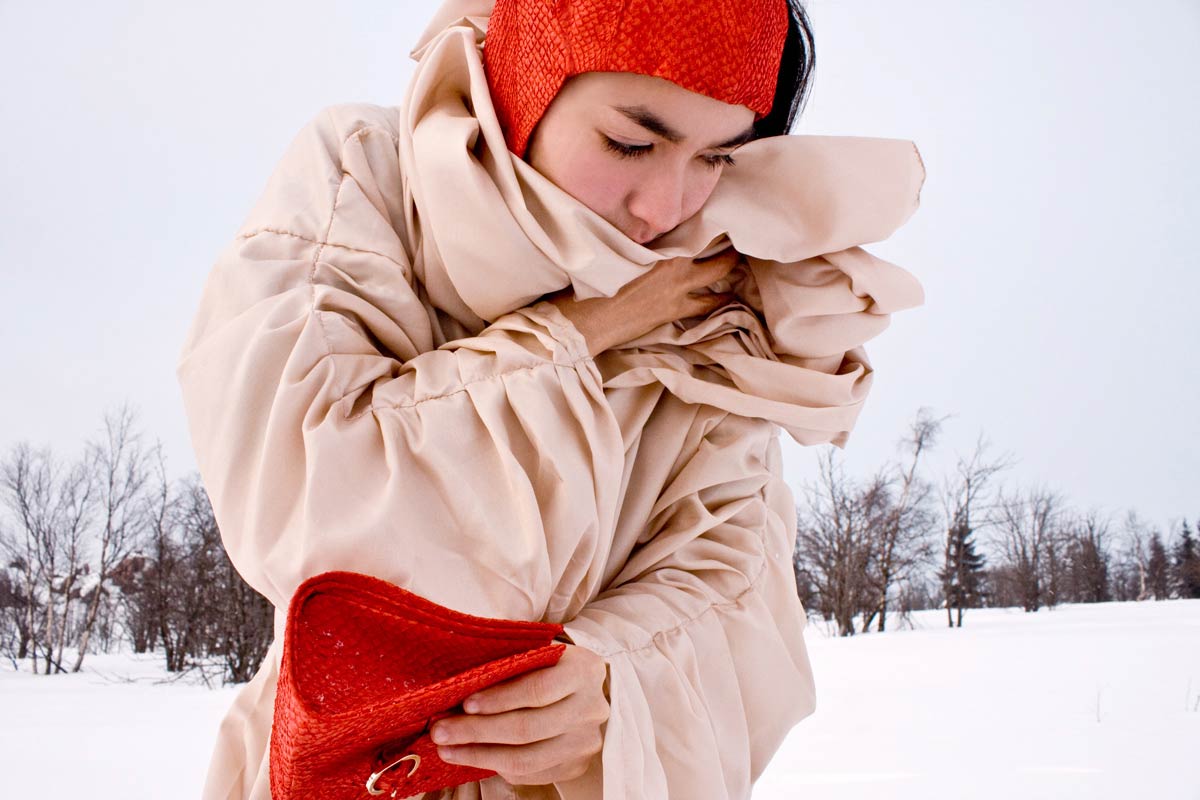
371, 384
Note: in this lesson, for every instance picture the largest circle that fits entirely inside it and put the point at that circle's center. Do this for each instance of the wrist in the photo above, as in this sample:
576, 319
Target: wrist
581, 314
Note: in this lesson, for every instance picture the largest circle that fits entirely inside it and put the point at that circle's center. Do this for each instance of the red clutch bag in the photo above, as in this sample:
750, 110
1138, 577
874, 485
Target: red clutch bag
367, 668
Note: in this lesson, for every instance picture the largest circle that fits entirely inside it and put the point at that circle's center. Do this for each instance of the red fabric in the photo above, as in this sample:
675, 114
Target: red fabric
727, 49
367, 667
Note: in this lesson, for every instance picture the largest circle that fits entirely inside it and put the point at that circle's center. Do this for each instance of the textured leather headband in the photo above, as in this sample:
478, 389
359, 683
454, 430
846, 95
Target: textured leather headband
726, 49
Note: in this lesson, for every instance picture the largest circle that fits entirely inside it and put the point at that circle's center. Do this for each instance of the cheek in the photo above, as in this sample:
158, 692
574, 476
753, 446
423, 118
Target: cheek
699, 189
597, 181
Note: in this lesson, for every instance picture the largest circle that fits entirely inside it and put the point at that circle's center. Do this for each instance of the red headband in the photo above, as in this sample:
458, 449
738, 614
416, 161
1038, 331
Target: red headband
726, 49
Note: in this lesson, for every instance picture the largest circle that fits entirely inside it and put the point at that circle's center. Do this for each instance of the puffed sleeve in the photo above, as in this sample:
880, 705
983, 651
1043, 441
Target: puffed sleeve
702, 631
331, 434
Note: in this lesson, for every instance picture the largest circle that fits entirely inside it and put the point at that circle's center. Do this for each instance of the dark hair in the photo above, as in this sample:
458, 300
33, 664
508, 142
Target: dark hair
795, 75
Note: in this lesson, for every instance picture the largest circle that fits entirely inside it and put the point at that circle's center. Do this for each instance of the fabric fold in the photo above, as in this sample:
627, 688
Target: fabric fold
372, 385
708, 666
807, 286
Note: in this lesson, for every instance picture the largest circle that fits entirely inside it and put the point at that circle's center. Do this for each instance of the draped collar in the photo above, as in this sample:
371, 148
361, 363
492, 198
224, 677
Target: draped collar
491, 234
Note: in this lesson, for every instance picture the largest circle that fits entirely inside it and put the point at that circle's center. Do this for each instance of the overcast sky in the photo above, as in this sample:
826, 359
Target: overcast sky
1054, 238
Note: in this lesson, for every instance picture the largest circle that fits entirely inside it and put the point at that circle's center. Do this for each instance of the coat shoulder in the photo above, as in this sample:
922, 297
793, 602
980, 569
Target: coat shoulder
343, 120
301, 193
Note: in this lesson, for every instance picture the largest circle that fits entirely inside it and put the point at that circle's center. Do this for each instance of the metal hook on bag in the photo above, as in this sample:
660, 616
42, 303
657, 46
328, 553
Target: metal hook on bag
416, 759
413, 757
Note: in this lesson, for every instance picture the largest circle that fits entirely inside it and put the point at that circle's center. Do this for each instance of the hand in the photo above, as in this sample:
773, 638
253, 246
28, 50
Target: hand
660, 295
539, 727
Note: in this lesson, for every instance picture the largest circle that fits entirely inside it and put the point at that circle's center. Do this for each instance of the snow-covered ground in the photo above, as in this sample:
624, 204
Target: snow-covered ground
1084, 701
116, 731
1098, 701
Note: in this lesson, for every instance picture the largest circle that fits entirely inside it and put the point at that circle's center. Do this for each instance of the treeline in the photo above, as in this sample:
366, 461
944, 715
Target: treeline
105, 552
898, 542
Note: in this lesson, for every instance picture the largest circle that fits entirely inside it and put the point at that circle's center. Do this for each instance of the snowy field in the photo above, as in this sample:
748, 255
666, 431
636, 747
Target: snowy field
1098, 701
1084, 701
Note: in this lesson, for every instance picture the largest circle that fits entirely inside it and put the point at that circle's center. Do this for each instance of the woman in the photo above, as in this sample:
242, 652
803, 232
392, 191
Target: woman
471, 345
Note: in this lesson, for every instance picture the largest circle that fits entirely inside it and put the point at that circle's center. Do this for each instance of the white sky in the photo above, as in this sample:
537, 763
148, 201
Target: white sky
1060, 139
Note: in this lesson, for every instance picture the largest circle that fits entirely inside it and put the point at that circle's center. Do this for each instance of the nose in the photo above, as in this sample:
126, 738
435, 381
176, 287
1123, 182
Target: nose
657, 202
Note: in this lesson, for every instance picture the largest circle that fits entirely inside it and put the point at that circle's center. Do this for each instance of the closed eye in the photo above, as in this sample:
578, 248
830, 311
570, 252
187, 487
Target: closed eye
633, 151
626, 150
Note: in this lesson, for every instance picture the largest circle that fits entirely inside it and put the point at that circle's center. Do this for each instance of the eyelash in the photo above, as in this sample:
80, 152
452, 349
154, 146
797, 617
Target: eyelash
630, 151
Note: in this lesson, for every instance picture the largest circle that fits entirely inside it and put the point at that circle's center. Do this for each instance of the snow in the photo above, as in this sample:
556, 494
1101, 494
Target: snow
118, 729
1083, 701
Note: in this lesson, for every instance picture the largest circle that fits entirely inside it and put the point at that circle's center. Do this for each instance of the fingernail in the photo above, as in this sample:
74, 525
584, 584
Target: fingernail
471, 706
447, 754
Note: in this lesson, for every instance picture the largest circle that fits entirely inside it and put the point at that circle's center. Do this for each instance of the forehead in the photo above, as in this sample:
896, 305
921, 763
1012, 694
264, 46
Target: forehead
665, 98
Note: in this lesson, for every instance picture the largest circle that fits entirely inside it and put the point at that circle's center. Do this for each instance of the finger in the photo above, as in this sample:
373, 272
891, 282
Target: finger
725, 259
521, 726
712, 270
707, 303
534, 689
511, 762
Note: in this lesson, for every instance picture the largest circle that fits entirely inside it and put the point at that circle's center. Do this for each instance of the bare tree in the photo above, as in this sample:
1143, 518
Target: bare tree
145, 575
1029, 533
11, 618
966, 509
52, 507
121, 472
28, 483
1088, 559
213, 611
168, 595
21, 609
1054, 563
109, 539
899, 535
833, 544
1133, 558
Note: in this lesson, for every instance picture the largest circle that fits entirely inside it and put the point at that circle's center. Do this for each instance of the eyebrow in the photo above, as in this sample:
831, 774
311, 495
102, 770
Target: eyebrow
655, 124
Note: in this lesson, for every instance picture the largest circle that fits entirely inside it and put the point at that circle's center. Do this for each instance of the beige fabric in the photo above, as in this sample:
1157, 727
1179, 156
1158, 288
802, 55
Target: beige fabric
371, 384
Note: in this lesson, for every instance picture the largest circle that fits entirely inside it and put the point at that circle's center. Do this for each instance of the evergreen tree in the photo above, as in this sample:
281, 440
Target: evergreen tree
1187, 565
962, 571
1158, 569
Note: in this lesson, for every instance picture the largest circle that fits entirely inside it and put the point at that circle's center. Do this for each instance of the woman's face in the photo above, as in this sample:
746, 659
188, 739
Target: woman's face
640, 151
